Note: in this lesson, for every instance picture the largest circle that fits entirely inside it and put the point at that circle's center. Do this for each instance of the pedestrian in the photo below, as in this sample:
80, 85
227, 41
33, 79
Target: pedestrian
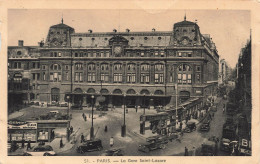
210, 117
136, 109
193, 151
82, 138
213, 115
105, 128
71, 129
61, 143
23, 143
111, 142
85, 118
83, 115
223, 110
186, 153
181, 126
29, 145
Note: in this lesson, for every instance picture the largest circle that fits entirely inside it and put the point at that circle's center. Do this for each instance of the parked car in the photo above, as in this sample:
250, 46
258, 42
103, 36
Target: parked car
205, 127
162, 139
214, 108
102, 108
90, 145
224, 145
191, 126
148, 146
209, 148
76, 107
113, 152
42, 150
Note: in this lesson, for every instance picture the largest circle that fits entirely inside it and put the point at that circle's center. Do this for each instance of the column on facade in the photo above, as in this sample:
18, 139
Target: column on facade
151, 103
138, 72
124, 74
152, 71
110, 101
84, 100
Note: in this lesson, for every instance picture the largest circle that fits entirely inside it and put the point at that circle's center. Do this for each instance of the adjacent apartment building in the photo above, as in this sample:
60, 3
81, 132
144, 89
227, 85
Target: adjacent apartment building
142, 68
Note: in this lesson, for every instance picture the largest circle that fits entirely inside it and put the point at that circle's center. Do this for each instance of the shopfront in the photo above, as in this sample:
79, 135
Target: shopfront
19, 130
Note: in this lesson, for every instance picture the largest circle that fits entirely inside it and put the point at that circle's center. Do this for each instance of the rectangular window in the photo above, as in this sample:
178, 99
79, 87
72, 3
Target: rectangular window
81, 77
51, 76
59, 54
189, 79
77, 77
158, 78
38, 76
145, 78
91, 77
59, 77
162, 53
118, 77
198, 68
43, 76
179, 78
156, 53
142, 54
66, 67
44, 67
33, 76
67, 76
179, 54
198, 78
171, 77
131, 77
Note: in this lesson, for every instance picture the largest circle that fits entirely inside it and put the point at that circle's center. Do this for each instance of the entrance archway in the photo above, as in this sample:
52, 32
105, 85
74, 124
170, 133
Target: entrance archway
55, 94
78, 96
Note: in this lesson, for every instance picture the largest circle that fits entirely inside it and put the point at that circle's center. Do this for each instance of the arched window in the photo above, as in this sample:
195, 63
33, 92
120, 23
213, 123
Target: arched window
130, 92
144, 92
104, 73
91, 67
145, 67
131, 67
91, 90
184, 74
145, 73
158, 92
55, 67
117, 67
79, 66
117, 91
104, 67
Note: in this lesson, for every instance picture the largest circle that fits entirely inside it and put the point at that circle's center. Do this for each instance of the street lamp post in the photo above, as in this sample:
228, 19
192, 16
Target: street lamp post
92, 127
144, 103
176, 112
123, 130
68, 112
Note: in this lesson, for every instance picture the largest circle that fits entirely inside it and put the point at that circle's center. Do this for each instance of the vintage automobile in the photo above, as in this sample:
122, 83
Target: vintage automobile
224, 145
113, 152
214, 108
205, 127
162, 139
102, 108
90, 145
41, 150
209, 148
148, 146
191, 126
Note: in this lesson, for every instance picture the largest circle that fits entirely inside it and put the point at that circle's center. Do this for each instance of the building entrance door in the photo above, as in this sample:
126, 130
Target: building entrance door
55, 94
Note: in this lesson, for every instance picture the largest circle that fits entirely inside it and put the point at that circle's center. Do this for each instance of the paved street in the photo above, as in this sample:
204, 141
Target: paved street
114, 120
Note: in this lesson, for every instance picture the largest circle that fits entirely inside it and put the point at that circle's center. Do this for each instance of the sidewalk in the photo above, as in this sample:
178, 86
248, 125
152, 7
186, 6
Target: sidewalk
15, 115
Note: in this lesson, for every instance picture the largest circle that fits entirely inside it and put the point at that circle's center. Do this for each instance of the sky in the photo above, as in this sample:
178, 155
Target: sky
229, 29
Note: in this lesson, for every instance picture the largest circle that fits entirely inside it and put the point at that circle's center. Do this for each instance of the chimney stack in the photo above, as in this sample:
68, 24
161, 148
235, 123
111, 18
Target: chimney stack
127, 30
20, 43
90, 31
114, 30
153, 29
